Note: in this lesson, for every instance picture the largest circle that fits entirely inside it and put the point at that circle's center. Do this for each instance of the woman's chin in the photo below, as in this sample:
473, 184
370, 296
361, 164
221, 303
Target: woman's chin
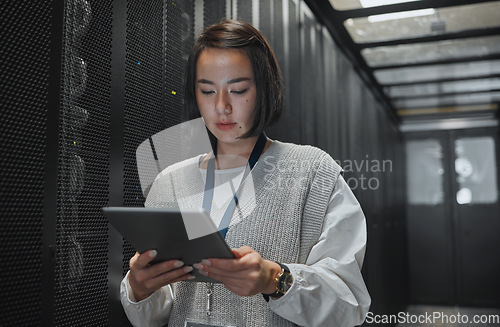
229, 139
226, 136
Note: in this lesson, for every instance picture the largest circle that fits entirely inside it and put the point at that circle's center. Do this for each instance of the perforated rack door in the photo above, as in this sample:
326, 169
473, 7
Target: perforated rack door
25, 32
80, 297
155, 61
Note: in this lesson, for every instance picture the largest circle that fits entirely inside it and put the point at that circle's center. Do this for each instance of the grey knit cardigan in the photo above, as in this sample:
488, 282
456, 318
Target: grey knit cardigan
280, 217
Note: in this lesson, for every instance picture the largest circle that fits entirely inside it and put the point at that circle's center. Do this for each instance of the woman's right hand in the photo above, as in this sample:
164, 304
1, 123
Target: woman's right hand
145, 279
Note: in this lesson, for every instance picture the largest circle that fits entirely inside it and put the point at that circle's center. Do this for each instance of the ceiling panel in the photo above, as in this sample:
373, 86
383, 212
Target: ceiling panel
357, 4
406, 54
452, 100
436, 89
425, 22
407, 75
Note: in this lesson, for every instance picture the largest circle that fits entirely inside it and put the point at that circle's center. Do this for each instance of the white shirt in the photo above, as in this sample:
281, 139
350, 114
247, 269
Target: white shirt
332, 274
226, 182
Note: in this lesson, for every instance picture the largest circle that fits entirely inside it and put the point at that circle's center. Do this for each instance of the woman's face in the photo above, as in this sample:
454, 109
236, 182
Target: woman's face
226, 92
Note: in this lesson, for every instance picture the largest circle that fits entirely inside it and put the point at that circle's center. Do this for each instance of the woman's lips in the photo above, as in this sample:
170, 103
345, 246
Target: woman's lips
225, 126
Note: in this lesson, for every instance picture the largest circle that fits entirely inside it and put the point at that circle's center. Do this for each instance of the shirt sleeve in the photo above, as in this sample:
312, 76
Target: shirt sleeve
152, 311
329, 289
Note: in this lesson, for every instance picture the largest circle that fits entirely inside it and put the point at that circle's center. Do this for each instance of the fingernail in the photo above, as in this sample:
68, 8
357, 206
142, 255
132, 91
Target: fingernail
191, 277
178, 264
207, 262
188, 269
198, 266
152, 253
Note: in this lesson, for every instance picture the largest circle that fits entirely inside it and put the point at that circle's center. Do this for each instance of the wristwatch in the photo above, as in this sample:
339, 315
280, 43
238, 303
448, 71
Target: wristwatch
284, 281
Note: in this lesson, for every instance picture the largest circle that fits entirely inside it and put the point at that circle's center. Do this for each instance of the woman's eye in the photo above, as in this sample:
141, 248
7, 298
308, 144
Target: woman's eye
206, 92
239, 92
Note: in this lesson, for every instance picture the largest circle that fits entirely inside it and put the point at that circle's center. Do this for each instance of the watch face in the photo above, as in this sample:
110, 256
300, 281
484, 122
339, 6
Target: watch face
285, 282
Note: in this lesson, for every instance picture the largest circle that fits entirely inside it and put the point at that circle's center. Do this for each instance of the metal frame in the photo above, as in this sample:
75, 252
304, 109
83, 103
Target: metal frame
447, 124
406, 6
444, 80
52, 165
116, 155
433, 38
442, 94
440, 62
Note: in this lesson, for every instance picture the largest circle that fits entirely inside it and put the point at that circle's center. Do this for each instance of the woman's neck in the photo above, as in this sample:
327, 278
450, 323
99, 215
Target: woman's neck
242, 148
234, 155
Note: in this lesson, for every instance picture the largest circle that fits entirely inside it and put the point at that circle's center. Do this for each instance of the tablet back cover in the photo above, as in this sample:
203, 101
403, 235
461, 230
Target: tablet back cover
164, 230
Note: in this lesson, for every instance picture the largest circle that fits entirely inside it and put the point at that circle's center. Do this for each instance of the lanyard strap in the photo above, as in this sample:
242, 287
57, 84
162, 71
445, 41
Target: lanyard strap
209, 184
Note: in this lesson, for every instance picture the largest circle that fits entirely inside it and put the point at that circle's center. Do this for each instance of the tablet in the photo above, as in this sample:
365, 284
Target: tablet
189, 236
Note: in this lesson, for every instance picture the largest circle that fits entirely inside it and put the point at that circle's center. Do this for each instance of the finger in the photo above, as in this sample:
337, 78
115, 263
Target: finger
144, 274
236, 253
183, 277
140, 261
242, 251
250, 261
222, 264
133, 260
172, 276
247, 275
163, 267
148, 287
241, 272
219, 274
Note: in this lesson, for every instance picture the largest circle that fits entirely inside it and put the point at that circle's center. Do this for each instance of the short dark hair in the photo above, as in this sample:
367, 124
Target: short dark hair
234, 34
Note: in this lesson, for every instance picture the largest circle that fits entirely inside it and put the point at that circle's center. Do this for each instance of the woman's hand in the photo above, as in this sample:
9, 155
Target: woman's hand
145, 279
247, 275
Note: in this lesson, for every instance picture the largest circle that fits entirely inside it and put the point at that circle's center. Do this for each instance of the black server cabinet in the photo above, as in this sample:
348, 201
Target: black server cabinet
83, 83
30, 49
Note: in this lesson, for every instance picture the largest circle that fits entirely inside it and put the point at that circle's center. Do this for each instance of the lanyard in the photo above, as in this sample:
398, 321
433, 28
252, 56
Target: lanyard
209, 184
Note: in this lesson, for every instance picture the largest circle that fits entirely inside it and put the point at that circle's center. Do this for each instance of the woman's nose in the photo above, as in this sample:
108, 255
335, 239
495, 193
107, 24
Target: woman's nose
223, 106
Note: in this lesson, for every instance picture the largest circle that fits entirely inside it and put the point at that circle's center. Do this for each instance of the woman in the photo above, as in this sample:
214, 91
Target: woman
298, 232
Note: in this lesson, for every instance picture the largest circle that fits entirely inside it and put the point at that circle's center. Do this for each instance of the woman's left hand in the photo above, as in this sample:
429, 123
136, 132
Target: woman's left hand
247, 275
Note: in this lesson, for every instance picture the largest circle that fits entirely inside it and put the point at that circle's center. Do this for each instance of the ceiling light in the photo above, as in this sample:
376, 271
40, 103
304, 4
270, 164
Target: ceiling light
402, 14
376, 3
